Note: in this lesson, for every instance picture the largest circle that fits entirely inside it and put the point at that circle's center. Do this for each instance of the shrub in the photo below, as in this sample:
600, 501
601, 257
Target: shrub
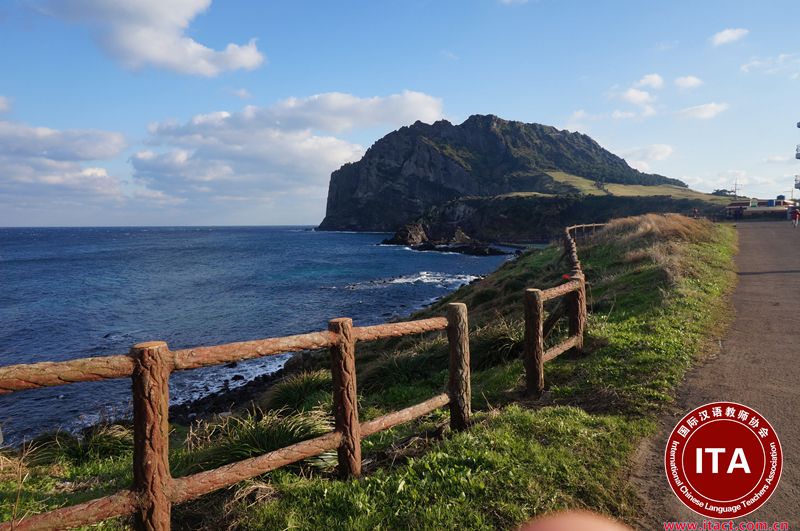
210, 445
100, 441
300, 392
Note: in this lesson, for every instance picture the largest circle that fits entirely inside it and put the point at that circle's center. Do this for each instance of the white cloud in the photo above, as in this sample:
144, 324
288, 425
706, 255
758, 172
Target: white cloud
650, 80
729, 35
750, 185
5, 104
20, 140
637, 97
287, 148
780, 159
242, 94
153, 33
641, 157
45, 164
703, 112
784, 63
333, 111
688, 82
641, 98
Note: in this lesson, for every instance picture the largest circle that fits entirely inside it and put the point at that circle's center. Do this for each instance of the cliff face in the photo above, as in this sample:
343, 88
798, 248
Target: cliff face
420, 166
535, 218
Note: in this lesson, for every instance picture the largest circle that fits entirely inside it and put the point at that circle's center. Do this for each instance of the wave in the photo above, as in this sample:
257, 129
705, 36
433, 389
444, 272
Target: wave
441, 280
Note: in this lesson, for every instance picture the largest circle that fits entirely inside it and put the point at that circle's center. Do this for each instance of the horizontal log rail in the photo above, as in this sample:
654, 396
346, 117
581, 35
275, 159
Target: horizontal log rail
50, 374
560, 290
537, 328
150, 364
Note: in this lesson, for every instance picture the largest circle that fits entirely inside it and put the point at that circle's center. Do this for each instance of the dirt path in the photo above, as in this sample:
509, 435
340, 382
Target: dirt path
758, 365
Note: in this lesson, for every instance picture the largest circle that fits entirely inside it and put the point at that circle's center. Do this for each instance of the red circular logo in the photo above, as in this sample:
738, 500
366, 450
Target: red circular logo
723, 460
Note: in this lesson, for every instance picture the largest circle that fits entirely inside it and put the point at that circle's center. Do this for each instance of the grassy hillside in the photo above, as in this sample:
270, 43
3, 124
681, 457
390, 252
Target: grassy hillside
656, 290
589, 187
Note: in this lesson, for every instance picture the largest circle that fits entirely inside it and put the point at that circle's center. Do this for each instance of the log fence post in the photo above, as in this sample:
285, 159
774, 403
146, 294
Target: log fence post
151, 475
533, 356
459, 386
577, 310
345, 397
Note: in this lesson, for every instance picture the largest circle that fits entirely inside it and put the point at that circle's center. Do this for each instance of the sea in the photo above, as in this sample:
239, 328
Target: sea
69, 293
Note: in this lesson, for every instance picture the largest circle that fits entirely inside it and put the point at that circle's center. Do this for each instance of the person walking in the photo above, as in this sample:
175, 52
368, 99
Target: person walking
795, 217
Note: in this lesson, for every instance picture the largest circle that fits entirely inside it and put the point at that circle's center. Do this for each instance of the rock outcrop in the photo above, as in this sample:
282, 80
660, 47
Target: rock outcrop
417, 167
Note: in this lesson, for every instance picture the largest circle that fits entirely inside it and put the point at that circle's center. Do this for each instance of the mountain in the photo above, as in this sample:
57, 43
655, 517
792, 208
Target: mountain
421, 166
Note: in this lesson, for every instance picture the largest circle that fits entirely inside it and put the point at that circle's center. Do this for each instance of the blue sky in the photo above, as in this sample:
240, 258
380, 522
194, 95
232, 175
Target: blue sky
185, 112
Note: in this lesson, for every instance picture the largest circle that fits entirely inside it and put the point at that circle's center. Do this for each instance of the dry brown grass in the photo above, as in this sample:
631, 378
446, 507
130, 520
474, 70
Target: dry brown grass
662, 227
658, 239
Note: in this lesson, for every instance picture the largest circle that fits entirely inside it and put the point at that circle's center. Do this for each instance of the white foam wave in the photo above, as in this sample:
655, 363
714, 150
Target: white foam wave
441, 280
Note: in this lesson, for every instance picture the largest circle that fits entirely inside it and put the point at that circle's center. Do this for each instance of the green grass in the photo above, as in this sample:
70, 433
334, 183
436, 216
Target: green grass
588, 187
581, 184
657, 287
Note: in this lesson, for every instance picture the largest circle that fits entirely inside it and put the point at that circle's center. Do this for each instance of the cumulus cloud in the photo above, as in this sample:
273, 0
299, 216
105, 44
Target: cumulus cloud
153, 33
287, 148
641, 98
636, 96
728, 36
5, 104
688, 82
44, 163
641, 157
703, 112
339, 112
651, 80
21, 140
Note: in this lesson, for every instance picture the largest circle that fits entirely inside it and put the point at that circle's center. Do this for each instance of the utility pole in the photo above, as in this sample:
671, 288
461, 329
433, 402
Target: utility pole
796, 177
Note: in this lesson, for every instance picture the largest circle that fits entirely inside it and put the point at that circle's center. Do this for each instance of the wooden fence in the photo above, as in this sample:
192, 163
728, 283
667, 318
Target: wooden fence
149, 366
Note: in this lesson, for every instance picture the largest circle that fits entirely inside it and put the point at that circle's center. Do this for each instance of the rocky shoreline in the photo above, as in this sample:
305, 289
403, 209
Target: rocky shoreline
223, 402
418, 237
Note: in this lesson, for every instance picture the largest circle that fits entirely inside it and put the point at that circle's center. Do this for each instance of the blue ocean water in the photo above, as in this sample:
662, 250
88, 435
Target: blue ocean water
76, 292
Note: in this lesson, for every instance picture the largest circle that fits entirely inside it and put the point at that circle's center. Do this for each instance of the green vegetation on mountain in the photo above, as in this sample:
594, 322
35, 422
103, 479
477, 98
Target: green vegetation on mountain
656, 295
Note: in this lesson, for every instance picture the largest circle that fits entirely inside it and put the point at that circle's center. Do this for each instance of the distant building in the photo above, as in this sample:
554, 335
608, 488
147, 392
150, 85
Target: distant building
759, 207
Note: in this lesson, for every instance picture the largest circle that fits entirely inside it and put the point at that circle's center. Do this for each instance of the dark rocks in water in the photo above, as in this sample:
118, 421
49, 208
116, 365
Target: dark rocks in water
410, 234
237, 378
223, 400
473, 249
417, 167
419, 238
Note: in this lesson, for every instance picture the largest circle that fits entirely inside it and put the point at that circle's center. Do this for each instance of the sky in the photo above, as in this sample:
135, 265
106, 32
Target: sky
235, 112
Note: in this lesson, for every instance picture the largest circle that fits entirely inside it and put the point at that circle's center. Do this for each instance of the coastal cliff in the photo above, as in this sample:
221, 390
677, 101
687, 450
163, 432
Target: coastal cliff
409, 171
525, 218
